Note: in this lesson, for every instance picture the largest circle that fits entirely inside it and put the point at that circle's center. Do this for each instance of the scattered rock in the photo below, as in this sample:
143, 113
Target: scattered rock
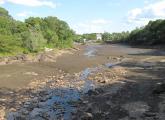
136, 109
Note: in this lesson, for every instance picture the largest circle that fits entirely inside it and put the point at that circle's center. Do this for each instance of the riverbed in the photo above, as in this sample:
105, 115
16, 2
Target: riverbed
54, 86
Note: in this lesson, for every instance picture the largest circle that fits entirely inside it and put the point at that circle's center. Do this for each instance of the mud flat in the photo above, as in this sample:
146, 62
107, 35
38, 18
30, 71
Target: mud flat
94, 82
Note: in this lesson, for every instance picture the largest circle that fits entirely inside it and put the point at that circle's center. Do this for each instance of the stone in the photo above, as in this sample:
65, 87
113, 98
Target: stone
35, 112
87, 116
149, 114
85, 102
92, 92
2, 114
136, 109
160, 88
25, 112
12, 110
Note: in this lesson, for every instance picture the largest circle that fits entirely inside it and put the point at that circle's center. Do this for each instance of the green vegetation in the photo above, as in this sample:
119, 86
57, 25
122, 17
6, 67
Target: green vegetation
91, 36
117, 37
151, 34
33, 35
80, 38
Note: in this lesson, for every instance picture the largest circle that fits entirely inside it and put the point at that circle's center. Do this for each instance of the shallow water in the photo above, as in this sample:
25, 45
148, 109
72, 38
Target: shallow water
61, 103
63, 98
91, 50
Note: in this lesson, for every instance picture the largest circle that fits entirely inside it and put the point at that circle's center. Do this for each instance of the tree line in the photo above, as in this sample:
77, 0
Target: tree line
33, 35
151, 34
87, 36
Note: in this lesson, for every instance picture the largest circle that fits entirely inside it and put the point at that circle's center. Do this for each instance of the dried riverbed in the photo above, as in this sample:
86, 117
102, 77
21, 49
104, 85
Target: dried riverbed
54, 90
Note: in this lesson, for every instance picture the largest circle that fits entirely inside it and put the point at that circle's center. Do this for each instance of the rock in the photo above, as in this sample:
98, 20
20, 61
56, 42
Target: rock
20, 57
27, 103
36, 112
109, 103
2, 114
12, 116
160, 88
89, 108
101, 81
48, 49
42, 104
3, 63
46, 116
149, 114
2, 100
12, 58
85, 102
25, 112
136, 109
87, 116
12, 110
162, 60
31, 73
92, 92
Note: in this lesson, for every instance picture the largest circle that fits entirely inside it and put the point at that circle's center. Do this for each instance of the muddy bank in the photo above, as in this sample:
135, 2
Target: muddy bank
49, 55
131, 90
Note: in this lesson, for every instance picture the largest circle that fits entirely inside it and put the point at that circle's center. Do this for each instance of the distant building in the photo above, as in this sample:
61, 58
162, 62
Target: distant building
84, 40
98, 36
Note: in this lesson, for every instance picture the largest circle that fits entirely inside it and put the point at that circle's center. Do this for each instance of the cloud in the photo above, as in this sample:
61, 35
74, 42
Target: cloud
151, 11
31, 3
24, 14
93, 26
2, 2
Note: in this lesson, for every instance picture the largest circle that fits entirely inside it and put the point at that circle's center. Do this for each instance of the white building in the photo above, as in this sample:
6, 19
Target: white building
98, 36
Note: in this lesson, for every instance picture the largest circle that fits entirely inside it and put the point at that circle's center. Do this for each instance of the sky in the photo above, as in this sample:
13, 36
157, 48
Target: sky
90, 16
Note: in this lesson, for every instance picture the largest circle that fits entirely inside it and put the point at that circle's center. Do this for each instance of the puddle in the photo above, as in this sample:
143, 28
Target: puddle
62, 106
110, 65
91, 50
90, 53
88, 85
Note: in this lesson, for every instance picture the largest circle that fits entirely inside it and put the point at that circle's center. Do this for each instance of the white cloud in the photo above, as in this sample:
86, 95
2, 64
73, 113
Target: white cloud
2, 2
93, 26
31, 3
24, 14
152, 11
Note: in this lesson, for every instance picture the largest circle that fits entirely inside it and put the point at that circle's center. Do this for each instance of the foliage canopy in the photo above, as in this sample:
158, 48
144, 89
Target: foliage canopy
32, 35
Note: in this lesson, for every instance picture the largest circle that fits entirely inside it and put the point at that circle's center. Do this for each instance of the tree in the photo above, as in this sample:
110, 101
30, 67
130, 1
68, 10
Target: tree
32, 35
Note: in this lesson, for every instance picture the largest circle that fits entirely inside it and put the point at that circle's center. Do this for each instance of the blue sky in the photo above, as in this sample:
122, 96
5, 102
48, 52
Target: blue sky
87, 16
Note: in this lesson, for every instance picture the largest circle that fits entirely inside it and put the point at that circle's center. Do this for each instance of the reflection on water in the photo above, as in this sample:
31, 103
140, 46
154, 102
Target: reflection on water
88, 83
61, 103
91, 50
